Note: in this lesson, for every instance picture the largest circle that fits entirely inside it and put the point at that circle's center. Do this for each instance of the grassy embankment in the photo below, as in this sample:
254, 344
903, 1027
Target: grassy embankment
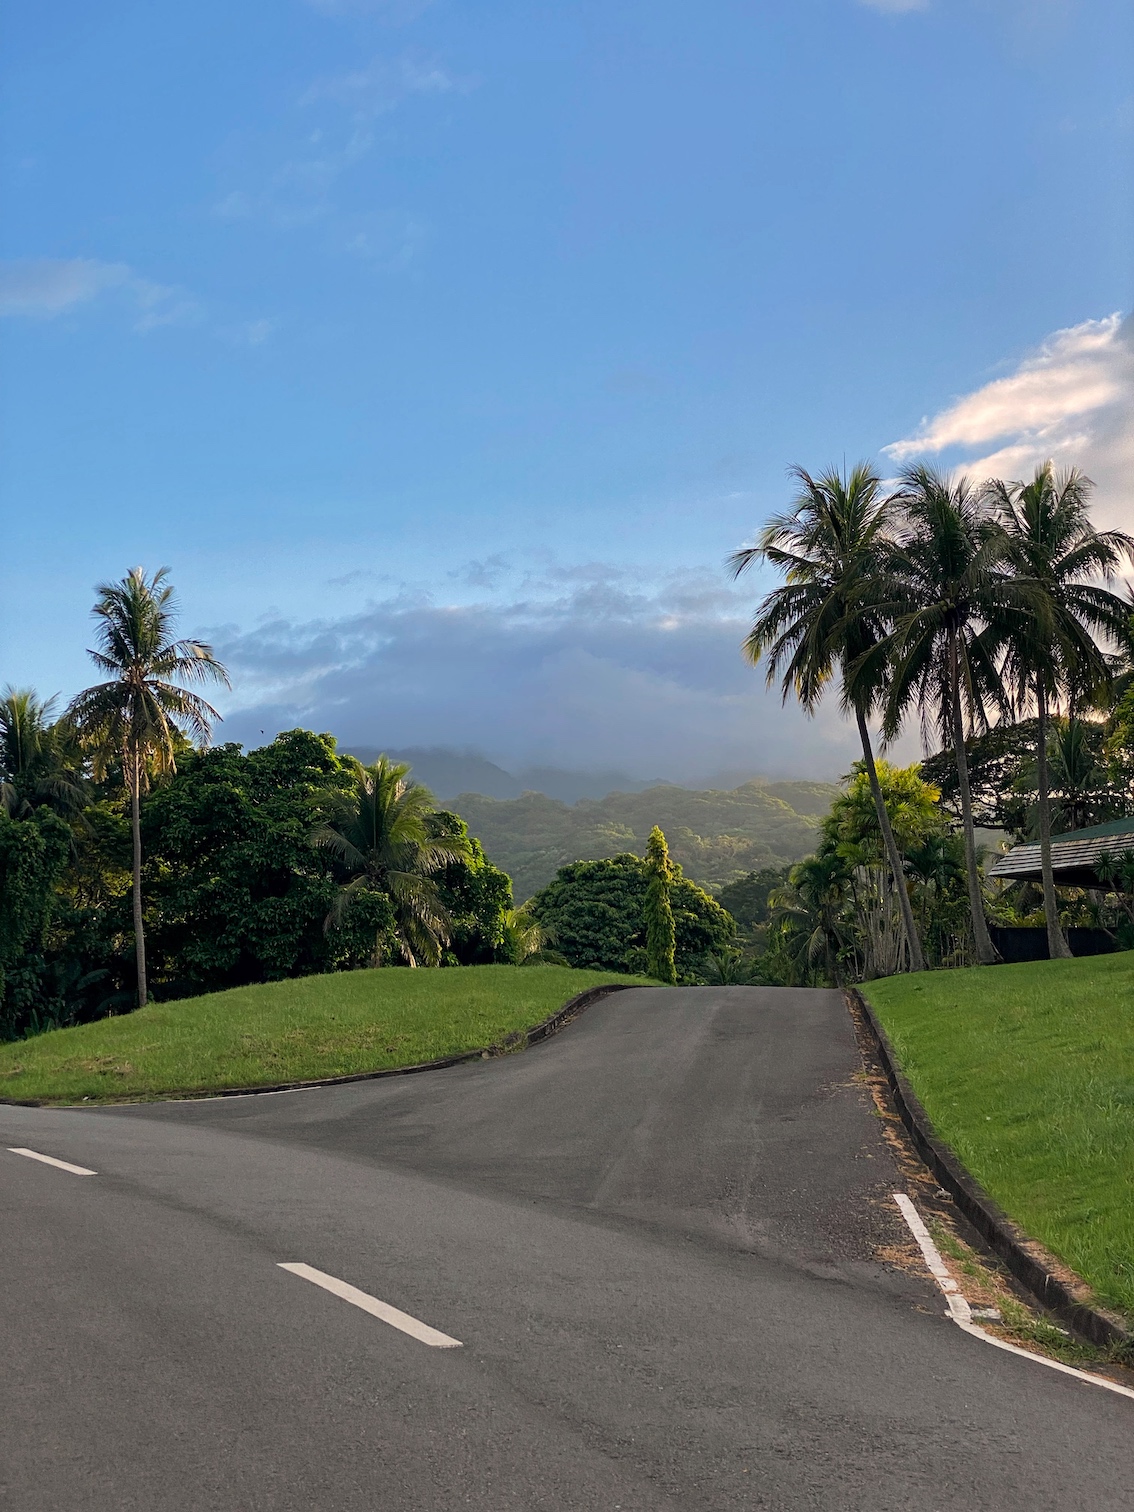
1028, 1073
289, 1031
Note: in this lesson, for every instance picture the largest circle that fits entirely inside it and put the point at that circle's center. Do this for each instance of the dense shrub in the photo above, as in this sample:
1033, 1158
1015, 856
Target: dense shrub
597, 912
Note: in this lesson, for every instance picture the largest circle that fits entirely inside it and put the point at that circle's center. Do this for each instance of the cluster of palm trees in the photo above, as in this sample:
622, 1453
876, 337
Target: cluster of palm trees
963, 604
130, 728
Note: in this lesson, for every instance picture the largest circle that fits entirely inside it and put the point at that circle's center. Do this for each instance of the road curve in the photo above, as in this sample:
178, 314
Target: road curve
655, 1238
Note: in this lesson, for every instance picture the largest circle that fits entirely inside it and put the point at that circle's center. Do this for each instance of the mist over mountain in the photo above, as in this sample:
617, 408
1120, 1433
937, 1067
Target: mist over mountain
448, 772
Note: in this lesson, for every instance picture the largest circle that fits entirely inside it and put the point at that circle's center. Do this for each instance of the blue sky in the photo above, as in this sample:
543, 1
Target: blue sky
444, 351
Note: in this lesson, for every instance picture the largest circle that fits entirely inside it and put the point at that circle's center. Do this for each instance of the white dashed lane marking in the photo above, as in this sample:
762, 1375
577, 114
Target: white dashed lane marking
62, 1165
391, 1315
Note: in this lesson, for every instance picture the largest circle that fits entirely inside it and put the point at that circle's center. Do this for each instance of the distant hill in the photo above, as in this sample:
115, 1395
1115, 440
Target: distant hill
447, 772
717, 836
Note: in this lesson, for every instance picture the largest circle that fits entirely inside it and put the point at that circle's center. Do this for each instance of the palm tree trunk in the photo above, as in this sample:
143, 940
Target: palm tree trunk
982, 941
136, 826
913, 939
1057, 946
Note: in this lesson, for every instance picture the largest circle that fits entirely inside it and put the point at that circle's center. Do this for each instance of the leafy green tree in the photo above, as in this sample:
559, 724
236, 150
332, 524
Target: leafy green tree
851, 832
996, 761
830, 613
747, 899
382, 836
39, 760
597, 910
235, 892
911, 806
33, 853
1051, 652
661, 938
476, 896
948, 588
135, 718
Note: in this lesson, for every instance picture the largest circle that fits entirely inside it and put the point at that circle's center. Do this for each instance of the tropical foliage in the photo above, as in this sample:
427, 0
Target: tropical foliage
598, 912
661, 938
830, 616
136, 859
718, 835
989, 613
134, 722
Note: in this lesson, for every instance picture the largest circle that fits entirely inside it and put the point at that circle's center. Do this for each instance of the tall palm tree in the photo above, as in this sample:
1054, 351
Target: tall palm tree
38, 762
381, 834
832, 547
138, 716
1052, 655
948, 588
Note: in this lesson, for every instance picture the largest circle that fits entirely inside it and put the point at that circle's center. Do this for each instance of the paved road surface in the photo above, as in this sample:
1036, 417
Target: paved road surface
654, 1236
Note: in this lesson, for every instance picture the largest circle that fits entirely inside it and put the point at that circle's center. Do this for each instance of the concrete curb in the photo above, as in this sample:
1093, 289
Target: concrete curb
534, 1036
990, 1221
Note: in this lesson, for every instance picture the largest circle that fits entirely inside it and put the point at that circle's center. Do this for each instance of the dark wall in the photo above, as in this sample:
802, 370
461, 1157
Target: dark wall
1030, 943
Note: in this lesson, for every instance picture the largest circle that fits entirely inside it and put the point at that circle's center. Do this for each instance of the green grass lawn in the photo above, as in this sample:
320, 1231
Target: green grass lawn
289, 1031
1028, 1073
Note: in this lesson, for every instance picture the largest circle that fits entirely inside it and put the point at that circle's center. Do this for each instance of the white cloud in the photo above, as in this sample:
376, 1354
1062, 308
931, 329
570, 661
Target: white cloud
47, 287
587, 668
1072, 400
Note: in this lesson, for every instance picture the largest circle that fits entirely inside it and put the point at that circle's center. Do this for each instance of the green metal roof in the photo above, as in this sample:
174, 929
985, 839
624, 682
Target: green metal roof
1111, 827
1074, 855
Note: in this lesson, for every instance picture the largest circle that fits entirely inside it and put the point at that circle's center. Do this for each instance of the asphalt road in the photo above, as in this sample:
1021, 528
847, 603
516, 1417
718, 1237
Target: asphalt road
654, 1235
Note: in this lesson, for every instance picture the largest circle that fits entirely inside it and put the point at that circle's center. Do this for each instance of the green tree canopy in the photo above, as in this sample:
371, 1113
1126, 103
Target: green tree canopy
597, 910
384, 837
476, 896
33, 853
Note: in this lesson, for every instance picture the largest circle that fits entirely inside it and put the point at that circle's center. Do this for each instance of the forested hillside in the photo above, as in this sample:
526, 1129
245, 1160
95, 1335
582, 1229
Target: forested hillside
716, 836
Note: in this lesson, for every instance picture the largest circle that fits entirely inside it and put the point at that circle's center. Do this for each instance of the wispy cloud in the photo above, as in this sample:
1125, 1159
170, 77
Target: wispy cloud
1072, 400
591, 668
43, 288
895, 7
251, 333
46, 288
381, 86
305, 191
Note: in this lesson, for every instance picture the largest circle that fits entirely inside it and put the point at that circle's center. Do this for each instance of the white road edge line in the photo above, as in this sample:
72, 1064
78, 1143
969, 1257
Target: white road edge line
961, 1313
383, 1310
64, 1165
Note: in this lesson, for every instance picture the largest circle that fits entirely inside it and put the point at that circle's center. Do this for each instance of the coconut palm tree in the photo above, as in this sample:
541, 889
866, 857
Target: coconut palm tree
1052, 656
832, 547
137, 718
948, 588
381, 835
809, 910
38, 762
525, 938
